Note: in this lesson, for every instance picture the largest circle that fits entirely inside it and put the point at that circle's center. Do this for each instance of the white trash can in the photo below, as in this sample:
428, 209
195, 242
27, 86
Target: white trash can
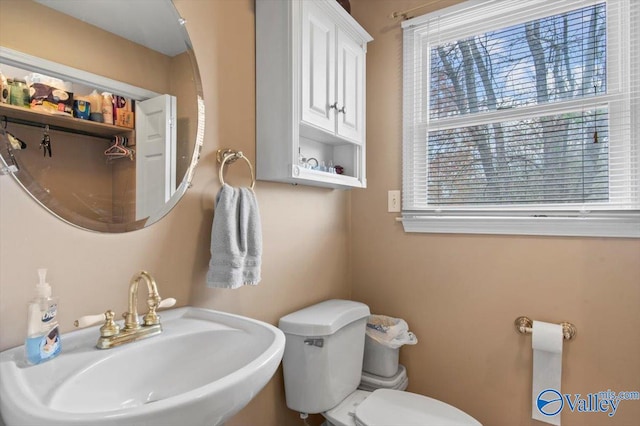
385, 335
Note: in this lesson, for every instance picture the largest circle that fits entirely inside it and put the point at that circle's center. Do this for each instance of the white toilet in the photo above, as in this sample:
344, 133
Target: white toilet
323, 367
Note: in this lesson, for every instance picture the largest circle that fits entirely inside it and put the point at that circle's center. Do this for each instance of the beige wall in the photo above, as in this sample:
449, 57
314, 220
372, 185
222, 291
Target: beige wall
461, 293
311, 249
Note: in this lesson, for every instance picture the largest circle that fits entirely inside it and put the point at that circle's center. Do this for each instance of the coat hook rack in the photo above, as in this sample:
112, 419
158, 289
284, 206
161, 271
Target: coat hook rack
51, 127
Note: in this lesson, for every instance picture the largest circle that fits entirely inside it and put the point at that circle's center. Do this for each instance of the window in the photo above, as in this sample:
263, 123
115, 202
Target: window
523, 118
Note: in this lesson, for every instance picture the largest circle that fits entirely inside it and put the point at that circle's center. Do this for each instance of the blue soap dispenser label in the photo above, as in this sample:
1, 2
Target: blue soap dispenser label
42, 348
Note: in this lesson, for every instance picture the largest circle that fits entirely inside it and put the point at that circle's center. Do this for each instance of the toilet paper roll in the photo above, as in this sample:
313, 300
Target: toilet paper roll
547, 371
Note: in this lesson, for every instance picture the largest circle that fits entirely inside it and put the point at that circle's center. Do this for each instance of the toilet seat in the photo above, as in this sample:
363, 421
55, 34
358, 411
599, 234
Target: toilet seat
392, 407
385, 407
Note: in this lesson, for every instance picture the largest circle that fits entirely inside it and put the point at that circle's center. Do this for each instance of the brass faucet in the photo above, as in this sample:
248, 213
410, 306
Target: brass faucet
110, 333
153, 300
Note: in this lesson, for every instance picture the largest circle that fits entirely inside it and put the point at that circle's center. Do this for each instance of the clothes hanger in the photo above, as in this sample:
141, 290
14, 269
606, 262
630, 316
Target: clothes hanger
117, 149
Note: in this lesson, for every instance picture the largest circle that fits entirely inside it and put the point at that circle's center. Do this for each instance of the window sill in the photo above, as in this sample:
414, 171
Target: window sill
619, 225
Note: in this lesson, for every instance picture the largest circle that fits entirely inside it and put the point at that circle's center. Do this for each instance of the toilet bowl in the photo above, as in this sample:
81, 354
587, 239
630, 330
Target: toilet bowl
322, 366
386, 407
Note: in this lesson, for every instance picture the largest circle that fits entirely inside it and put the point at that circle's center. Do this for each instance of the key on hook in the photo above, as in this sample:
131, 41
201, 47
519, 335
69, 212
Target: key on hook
46, 144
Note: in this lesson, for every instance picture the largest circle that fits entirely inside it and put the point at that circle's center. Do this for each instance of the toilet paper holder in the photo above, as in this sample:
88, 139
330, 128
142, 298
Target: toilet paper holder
524, 325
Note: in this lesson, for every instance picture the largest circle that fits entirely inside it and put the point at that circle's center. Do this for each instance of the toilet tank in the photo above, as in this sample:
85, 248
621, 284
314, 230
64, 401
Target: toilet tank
323, 354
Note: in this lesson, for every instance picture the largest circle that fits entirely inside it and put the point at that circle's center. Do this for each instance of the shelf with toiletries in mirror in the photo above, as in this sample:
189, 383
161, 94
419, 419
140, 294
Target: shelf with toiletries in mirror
22, 115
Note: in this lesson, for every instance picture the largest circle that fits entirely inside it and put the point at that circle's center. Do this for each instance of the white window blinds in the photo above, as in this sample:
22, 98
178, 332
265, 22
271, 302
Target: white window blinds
523, 110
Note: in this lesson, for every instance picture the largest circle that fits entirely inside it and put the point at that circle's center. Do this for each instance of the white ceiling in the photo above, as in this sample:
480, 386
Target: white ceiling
151, 23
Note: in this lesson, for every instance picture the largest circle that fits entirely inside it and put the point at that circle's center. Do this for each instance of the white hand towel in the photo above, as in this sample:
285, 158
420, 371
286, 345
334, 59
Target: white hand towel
236, 239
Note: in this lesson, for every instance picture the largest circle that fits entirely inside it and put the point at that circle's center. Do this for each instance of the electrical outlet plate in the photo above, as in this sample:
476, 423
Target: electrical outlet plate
393, 203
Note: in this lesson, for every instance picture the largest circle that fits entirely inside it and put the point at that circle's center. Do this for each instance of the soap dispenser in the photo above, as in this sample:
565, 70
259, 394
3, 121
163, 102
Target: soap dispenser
43, 337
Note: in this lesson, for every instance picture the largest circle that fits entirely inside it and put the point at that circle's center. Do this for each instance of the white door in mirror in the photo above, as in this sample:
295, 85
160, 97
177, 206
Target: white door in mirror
156, 156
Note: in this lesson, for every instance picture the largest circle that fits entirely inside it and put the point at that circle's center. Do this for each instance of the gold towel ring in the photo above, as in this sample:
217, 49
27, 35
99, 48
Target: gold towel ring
229, 156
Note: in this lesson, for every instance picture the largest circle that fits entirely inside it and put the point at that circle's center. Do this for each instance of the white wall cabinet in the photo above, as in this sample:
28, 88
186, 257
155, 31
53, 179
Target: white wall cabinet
310, 88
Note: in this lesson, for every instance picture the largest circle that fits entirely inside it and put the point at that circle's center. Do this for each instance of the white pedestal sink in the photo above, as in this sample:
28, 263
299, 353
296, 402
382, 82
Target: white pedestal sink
204, 367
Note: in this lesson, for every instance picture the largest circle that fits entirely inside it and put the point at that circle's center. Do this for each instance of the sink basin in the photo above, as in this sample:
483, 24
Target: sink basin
204, 367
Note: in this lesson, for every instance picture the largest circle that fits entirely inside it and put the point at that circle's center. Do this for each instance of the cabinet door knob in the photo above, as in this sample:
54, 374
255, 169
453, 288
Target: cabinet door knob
334, 105
342, 110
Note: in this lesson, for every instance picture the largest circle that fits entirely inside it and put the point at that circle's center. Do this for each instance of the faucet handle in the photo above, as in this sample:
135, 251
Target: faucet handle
89, 320
166, 303
109, 328
151, 318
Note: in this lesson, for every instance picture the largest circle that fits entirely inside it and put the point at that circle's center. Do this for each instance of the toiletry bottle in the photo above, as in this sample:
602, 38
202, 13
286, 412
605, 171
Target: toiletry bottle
95, 99
107, 107
19, 93
43, 338
4, 95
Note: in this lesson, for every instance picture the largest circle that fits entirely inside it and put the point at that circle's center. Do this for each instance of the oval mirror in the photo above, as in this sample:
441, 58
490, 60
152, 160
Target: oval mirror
103, 118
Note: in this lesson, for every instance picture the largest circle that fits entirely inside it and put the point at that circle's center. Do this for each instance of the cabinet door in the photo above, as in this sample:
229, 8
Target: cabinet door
318, 68
350, 81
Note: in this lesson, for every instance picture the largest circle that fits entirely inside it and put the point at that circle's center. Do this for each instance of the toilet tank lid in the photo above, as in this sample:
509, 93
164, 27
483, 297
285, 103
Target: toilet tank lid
324, 318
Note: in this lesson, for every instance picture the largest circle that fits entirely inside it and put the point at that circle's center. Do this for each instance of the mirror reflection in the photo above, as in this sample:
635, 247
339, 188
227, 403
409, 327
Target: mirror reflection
102, 126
